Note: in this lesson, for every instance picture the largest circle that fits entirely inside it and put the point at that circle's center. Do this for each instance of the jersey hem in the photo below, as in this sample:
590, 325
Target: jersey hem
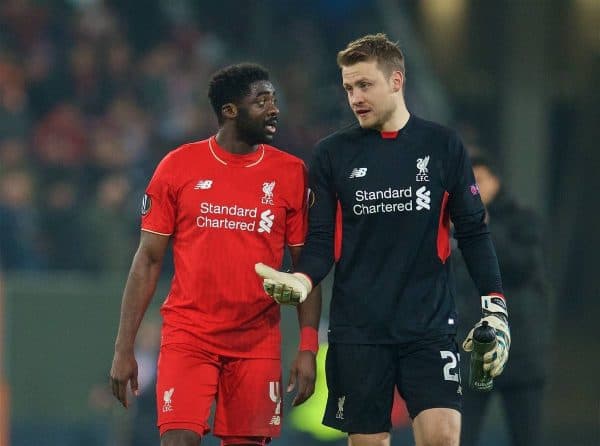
220, 352
156, 232
345, 338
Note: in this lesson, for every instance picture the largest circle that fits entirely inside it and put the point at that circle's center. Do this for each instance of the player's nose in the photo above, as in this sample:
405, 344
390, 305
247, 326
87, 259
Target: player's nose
357, 99
273, 111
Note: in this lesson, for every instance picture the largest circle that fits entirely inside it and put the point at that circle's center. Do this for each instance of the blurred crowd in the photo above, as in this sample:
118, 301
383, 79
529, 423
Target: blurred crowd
92, 95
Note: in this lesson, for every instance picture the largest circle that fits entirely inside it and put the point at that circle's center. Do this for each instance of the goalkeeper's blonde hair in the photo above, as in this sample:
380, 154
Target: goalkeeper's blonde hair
378, 47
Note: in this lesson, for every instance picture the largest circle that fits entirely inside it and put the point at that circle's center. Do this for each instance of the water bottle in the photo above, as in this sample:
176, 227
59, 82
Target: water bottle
484, 340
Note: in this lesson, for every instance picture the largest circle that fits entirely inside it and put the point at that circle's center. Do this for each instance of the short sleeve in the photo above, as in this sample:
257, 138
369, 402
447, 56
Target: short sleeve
297, 214
159, 202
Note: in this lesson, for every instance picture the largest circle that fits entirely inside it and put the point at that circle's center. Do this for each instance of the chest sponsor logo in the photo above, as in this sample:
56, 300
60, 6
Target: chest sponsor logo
234, 217
391, 200
423, 198
266, 221
358, 172
267, 189
423, 174
203, 184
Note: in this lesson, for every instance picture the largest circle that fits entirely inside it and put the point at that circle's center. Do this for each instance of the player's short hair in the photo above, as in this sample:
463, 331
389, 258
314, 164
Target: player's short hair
376, 47
232, 83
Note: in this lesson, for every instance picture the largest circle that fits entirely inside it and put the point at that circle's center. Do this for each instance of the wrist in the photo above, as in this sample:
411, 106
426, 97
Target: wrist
494, 304
309, 340
305, 280
124, 347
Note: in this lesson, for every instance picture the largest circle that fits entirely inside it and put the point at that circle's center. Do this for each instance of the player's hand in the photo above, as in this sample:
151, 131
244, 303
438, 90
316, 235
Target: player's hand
302, 375
124, 370
285, 288
496, 315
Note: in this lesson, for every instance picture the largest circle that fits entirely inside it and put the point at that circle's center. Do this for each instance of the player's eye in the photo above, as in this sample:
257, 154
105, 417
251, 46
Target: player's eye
262, 103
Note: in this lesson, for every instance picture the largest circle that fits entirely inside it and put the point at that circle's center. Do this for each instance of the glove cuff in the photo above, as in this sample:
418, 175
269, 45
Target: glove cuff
305, 280
494, 304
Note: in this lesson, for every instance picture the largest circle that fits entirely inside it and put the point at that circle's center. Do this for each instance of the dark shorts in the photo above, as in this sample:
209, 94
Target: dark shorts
361, 380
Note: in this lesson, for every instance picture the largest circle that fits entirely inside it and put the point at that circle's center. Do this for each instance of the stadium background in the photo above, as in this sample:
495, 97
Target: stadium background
93, 93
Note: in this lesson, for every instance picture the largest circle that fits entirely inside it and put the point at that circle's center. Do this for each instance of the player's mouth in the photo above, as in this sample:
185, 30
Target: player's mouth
271, 126
362, 112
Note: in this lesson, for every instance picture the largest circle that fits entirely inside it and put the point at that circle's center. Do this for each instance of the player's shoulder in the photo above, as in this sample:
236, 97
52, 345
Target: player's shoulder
433, 129
348, 133
281, 157
183, 153
193, 148
439, 138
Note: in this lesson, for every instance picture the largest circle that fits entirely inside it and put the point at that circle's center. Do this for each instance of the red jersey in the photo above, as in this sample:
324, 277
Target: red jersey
224, 213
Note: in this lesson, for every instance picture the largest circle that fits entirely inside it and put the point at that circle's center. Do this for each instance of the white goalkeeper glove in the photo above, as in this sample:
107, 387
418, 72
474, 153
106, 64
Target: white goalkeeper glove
496, 315
285, 288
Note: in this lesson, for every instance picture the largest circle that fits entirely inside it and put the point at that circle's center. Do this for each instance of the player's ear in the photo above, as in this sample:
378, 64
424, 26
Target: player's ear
397, 79
229, 110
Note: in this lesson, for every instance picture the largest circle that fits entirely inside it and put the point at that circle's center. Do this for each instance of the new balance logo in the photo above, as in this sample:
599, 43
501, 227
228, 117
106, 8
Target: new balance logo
358, 172
203, 184
423, 198
266, 221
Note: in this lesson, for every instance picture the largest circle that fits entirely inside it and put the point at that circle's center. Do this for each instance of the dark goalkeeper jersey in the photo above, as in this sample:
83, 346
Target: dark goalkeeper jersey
382, 209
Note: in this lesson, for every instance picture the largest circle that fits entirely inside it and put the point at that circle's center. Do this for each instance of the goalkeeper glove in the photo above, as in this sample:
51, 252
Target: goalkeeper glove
496, 315
285, 288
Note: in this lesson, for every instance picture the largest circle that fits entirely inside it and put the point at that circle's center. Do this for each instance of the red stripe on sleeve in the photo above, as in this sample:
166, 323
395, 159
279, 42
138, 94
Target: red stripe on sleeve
337, 247
443, 237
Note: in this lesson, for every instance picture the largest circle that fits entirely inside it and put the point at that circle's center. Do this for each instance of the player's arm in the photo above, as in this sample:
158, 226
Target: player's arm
317, 255
139, 289
304, 367
474, 240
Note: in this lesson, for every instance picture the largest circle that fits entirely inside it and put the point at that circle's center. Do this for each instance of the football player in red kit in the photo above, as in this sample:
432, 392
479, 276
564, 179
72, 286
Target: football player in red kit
226, 203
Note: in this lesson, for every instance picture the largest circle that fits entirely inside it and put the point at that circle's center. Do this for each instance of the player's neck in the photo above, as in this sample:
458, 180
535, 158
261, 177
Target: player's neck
398, 119
229, 141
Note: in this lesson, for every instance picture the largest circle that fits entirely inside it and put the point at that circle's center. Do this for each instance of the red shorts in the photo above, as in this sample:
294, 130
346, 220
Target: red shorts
247, 392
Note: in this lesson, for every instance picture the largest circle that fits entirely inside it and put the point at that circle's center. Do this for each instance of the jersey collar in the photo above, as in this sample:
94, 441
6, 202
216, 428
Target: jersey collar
403, 131
230, 159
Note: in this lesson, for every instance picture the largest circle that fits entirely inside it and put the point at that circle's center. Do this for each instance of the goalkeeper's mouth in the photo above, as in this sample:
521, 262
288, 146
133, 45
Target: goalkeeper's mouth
271, 126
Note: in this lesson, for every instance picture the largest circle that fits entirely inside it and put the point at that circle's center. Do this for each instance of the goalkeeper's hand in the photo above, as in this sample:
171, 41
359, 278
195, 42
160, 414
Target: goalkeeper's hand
285, 288
496, 315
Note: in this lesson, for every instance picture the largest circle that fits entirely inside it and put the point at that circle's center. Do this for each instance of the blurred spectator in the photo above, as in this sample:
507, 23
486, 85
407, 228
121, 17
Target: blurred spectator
60, 223
13, 154
61, 138
93, 89
107, 243
14, 111
19, 222
517, 235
